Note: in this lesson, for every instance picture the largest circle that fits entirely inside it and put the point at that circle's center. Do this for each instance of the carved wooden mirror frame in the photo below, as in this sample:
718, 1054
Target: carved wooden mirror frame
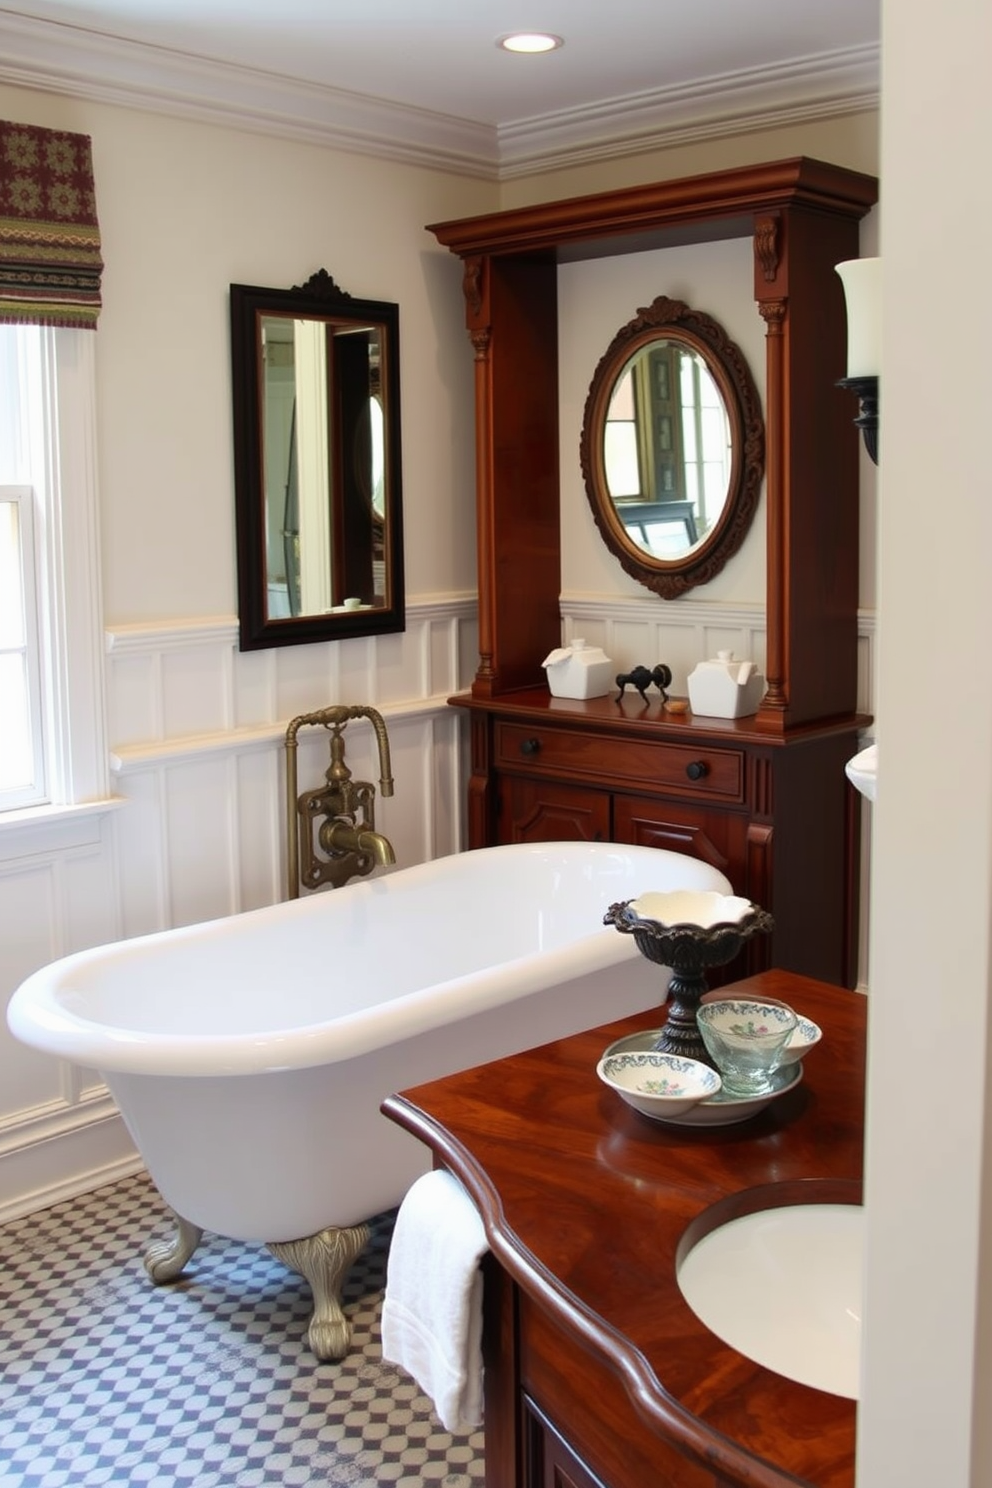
672, 321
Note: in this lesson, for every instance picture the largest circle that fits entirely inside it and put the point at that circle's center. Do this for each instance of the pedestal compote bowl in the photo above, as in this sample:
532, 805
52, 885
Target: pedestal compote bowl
688, 932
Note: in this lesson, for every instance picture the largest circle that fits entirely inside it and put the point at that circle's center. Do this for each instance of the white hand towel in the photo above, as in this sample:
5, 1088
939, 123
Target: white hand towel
432, 1309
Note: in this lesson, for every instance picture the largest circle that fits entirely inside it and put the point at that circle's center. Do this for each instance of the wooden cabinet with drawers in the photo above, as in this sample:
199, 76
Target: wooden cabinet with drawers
776, 815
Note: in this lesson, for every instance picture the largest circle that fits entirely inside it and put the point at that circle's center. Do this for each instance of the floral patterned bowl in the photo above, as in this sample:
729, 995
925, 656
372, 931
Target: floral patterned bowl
658, 1085
804, 1036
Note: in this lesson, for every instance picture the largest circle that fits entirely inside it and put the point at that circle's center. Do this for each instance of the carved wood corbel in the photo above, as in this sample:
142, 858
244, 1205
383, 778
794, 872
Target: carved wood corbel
474, 285
766, 244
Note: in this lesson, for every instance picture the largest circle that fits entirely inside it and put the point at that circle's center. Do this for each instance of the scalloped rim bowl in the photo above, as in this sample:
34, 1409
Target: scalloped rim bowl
658, 1084
805, 1034
704, 908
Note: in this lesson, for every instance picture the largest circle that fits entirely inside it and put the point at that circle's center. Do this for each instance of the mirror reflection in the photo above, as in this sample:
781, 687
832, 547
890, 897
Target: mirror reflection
672, 447
667, 449
316, 464
311, 569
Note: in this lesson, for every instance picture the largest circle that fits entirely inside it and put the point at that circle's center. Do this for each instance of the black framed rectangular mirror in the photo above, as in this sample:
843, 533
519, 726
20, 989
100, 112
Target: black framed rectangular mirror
318, 485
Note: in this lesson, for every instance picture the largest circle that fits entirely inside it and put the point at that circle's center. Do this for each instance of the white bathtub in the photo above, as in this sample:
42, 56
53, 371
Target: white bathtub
249, 1056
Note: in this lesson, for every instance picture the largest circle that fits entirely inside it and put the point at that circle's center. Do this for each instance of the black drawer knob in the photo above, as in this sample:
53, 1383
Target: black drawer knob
697, 769
530, 746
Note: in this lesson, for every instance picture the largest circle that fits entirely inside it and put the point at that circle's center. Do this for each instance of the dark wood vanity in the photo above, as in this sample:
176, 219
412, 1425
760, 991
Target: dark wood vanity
597, 1372
763, 798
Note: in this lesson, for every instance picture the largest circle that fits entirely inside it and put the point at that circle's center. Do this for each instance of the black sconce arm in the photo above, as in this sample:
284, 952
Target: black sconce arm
865, 389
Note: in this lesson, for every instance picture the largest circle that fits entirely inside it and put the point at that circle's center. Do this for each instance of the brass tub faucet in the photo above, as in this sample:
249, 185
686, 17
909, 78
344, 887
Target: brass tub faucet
331, 830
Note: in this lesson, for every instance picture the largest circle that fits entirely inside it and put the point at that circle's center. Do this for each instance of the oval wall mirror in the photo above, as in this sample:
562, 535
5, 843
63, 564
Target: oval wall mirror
672, 447
316, 464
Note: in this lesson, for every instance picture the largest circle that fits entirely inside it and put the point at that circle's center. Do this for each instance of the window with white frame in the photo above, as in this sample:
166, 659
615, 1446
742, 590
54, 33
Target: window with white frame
22, 752
52, 732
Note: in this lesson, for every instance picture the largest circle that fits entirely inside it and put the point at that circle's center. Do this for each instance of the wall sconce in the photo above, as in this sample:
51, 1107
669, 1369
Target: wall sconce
861, 278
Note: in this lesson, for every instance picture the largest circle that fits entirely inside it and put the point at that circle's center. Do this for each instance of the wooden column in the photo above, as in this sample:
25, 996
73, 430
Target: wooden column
475, 284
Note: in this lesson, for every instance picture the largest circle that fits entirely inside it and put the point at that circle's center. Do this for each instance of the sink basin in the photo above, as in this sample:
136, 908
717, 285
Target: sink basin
862, 771
784, 1287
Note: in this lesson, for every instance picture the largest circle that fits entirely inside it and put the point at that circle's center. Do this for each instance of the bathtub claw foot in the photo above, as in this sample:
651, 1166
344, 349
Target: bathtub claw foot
165, 1259
323, 1260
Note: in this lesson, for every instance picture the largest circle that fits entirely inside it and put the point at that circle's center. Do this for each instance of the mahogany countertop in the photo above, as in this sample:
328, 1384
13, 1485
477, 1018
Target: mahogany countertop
646, 717
587, 1205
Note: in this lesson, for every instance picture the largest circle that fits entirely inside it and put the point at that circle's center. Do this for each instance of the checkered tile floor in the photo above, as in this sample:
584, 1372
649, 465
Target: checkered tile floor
207, 1382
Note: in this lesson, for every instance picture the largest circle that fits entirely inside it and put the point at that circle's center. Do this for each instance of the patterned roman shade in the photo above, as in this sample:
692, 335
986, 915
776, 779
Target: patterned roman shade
50, 262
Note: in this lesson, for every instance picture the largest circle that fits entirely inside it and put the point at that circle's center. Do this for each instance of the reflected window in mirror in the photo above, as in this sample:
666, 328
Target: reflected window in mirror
317, 464
672, 447
667, 449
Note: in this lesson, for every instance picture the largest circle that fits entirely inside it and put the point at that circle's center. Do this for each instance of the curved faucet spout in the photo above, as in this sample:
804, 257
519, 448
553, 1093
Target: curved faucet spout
344, 837
380, 847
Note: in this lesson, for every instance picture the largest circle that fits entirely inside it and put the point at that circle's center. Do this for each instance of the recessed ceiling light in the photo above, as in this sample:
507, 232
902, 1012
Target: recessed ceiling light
530, 41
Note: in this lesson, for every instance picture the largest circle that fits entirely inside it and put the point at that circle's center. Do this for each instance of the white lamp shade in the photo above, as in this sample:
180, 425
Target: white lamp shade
862, 281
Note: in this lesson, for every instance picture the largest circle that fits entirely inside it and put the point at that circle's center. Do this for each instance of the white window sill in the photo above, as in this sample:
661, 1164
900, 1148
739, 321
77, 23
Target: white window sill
42, 829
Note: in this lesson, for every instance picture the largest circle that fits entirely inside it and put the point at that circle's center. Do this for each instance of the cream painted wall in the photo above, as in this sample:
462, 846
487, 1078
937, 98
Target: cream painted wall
598, 296
186, 209
595, 298
925, 1419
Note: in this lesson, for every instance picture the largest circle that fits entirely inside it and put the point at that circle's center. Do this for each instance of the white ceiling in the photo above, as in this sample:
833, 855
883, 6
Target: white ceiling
628, 67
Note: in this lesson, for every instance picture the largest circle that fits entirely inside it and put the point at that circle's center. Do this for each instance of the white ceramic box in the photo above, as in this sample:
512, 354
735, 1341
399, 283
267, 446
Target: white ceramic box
725, 687
578, 671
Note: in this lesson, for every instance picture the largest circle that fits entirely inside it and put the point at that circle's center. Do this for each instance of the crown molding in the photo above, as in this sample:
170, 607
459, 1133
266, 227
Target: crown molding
804, 90
58, 58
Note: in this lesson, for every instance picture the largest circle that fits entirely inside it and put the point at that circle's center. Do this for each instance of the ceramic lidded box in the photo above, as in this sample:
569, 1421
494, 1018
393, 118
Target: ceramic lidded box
578, 671
725, 687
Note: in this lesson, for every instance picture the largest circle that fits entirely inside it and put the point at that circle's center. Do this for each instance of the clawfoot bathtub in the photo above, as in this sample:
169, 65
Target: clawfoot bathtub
249, 1056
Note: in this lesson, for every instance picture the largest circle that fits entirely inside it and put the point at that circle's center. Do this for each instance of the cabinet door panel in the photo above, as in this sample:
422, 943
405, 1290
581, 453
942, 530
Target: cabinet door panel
717, 837
581, 1426
551, 1463
543, 811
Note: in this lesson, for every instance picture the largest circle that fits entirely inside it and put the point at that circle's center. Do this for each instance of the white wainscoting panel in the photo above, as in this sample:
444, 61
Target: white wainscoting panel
197, 829
679, 633
59, 1130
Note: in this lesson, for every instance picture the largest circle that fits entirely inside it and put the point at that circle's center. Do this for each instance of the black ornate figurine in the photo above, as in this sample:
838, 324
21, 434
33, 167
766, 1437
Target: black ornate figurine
641, 677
